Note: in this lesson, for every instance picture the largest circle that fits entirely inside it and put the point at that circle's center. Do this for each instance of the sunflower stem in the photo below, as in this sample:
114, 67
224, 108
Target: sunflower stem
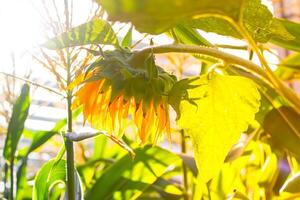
68, 143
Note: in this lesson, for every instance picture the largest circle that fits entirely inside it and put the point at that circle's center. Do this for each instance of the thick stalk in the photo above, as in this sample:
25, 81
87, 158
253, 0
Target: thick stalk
184, 168
69, 144
70, 157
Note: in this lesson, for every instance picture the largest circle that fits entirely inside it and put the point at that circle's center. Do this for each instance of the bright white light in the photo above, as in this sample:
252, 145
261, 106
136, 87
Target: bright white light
20, 26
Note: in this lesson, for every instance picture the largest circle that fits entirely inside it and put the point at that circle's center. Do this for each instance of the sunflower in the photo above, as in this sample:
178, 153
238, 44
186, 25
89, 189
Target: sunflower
114, 90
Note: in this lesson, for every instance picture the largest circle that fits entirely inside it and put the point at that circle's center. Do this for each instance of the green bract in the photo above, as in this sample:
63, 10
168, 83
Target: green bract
138, 76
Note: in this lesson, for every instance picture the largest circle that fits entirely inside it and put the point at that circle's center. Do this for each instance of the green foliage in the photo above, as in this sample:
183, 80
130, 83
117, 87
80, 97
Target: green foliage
128, 179
226, 106
97, 31
16, 124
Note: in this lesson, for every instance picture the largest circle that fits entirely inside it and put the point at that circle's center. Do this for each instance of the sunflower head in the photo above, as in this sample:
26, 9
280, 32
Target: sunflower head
116, 88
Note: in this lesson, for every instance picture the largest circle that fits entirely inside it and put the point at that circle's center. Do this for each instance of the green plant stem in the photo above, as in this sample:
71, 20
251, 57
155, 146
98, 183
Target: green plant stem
11, 191
70, 156
184, 168
69, 144
182, 48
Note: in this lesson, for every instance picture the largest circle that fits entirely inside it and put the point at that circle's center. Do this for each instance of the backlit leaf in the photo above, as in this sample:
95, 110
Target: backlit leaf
16, 123
51, 174
94, 32
226, 106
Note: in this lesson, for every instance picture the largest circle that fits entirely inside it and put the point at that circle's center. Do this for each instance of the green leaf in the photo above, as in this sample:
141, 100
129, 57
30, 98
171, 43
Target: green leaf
127, 40
284, 123
257, 19
97, 31
294, 29
226, 105
259, 22
51, 174
215, 25
188, 35
151, 67
127, 179
16, 124
179, 93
